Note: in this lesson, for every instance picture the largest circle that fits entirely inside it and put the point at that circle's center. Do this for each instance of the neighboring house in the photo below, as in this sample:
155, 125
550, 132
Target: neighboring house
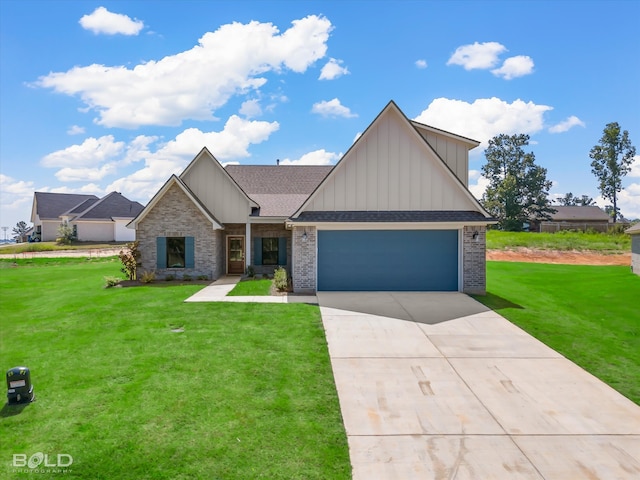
393, 214
635, 247
93, 219
576, 218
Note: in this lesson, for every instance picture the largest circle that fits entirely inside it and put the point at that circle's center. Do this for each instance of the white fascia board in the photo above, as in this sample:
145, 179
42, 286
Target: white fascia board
388, 225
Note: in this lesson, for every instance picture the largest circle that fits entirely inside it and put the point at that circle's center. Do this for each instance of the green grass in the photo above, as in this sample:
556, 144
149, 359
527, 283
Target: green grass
566, 240
252, 287
587, 313
53, 246
238, 391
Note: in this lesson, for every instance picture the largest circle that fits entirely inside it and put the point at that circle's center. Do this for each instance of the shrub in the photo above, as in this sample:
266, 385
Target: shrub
186, 277
280, 279
148, 277
203, 277
251, 272
65, 234
130, 259
170, 278
111, 282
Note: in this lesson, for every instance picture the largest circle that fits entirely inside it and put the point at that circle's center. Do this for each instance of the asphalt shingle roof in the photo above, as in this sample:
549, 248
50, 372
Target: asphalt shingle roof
579, 213
279, 189
113, 205
52, 205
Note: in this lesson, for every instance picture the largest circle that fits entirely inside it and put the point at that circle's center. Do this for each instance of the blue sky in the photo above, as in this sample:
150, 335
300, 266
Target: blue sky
118, 95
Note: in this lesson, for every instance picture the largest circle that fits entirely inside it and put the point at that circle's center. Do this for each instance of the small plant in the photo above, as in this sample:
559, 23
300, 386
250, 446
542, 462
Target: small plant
148, 277
66, 235
170, 278
280, 279
186, 278
130, 259
203, 277
251, 272
111, 282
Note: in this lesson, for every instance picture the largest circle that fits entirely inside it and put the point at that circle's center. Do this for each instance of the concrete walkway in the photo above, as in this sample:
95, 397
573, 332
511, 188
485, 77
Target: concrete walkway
437, 386
218, 291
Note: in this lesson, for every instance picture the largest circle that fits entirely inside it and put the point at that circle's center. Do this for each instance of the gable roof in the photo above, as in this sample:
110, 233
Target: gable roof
279, 190
634, 230
174, 180
49, 206
420, 140
579, 213
110, 206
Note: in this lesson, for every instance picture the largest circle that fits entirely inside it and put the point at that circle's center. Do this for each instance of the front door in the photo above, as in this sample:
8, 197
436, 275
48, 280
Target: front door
235, 255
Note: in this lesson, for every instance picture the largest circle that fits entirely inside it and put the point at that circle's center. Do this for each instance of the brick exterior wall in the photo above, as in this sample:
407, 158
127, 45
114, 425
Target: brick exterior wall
270, 230
474, 264
176, 216
304, 259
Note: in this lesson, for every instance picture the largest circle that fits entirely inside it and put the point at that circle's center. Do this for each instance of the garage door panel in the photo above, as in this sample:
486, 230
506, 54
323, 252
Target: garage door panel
388, 260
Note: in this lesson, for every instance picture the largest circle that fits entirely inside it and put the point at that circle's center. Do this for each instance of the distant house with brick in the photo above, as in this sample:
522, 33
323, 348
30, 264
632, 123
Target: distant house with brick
394, 214
92, 219
634, 231
576, 218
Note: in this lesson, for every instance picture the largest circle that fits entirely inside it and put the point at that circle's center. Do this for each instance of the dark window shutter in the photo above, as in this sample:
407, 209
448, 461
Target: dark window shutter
257, 251
161, 252
189, 252
282, 251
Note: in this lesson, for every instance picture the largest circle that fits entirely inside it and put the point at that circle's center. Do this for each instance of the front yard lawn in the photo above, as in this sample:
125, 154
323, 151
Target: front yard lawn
252, 287
134, 383
590, 314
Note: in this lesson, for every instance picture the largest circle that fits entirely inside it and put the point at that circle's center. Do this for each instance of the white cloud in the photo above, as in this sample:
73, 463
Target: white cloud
484, 118
514, 67
69, 174
75, 130
567, 124
16, 197
251, 108
481, 183
93, 151
477, 56
333, 69
421, 63
318, 157
172, 157
226, 62
332, 108
104, 21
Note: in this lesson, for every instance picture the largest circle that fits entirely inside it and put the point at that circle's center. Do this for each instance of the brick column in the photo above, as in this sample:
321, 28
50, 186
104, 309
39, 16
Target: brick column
474, 266
304, 259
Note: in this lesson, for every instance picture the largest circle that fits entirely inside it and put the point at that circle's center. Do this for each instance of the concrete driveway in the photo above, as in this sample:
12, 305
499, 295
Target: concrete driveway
436, 386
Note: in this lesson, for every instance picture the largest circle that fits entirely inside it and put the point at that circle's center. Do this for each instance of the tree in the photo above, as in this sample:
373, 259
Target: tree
611, 161
518, 190
20, 231
569, 200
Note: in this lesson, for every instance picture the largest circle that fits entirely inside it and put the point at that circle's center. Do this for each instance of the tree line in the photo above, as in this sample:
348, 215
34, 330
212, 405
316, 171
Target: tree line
518, 189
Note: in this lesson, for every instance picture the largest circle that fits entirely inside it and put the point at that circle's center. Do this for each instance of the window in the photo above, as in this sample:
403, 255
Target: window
175, 252
270, 251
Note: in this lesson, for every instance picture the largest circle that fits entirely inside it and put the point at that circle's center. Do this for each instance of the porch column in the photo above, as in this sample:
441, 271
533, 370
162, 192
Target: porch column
247, 248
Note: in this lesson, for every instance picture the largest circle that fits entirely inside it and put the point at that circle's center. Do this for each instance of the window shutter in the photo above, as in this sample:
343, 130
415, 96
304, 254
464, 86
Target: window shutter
282, 250
161, 252
257, 251
189, 252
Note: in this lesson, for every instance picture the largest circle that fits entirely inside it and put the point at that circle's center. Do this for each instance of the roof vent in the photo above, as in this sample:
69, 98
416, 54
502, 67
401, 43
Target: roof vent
277, 161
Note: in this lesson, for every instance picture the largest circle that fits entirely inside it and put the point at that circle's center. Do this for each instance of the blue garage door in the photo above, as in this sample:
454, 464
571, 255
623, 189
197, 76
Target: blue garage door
388, 260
